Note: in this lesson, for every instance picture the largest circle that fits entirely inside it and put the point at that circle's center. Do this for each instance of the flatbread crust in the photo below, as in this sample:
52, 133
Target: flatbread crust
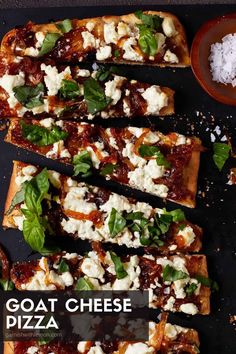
8, 348
190, 171
9, 41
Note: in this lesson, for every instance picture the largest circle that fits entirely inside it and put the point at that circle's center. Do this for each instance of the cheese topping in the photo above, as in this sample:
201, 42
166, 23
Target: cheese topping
53, 79
156, 99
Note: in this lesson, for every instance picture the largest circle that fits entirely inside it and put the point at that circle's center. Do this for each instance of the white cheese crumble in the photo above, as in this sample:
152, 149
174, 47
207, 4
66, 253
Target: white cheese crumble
140, 348
123, 29
26, 174
172, 331
8, 82
156, 99
75, 201
32, 350
135, 159
189, 308
169, 306
47, 122
92, 268
88, 39
112, 88
53, 79
58, 151
188, 234
129, 51
83, 73
110, 34
97, 153
171, 57
103, 53
96, 350
168, 27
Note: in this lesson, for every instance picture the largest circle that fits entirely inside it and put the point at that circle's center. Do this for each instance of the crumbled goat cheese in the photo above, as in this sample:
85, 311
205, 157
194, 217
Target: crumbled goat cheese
171, 57
188, 234
110, 34
140, 348
129, 52
8, 82
74, 201
112, 89
92, 268
156, 99
88, 39
103, 53
53, 79
189, 308
168, 27
123, 29
58, 151
47, 122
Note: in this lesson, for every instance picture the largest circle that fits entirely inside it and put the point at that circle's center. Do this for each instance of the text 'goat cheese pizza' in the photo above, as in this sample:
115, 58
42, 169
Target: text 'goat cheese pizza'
67, 207
31, 88
150, 37
162, 165
174, 282
164, 338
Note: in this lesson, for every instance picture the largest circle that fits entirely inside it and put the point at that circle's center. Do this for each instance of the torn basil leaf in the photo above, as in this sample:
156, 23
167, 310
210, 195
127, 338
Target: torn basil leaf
221, 154
177, 215
149, 150
162, 161
119, 267
82, 164
147, 41
172, 274
95, 96
69, 89
49, 43
209, 283
18, 198
190, 289
83, 284
42, 136
34, 225
151, 21
63, 266
108, 169
65, 26
6, 284
104, 73
116, 223
29, 96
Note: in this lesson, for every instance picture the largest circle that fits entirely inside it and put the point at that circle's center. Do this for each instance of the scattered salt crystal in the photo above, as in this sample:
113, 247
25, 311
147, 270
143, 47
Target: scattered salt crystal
224, 138
217, 130
213, 138
223, 60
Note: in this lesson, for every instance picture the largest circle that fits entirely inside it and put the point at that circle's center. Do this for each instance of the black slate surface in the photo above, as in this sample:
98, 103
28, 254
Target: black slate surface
196, 113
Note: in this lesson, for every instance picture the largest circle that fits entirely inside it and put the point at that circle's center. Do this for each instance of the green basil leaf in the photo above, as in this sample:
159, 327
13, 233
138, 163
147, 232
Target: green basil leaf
49, 250
69, 89
181, 227
49, 43
42, 136
172, 274
119, 267
6, 284
83, 284
35, 191
177, 215
116, 222
18, 198
103, 73
221, 154
34, 232
135, 215
152, 21
162, 161
148, 150
144, 240
147, 41
108, 169
190, 289
94, 96
82, 164
65, 26
63, 266
29, 96
209, 283
116, 53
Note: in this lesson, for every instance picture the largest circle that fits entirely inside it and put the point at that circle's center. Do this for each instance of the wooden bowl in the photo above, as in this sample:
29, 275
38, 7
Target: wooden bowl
211, 32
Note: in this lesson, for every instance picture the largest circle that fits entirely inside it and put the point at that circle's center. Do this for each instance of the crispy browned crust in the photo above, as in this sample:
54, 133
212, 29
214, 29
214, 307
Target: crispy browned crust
8, 348
13, 188
180, 38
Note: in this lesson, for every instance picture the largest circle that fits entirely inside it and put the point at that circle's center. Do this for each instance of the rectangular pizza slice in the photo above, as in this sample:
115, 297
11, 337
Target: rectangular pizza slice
32, 88
150, 37
163, 165
164, 338
82, 211
175, 282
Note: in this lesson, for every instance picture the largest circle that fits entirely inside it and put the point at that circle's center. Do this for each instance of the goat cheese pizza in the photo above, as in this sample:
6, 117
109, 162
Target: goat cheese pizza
149, 37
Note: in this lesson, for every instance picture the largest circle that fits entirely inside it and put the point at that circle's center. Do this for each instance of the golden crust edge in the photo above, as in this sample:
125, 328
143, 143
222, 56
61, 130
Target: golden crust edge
8, 347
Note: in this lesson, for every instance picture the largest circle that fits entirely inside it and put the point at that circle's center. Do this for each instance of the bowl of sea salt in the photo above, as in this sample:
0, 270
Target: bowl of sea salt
213, 58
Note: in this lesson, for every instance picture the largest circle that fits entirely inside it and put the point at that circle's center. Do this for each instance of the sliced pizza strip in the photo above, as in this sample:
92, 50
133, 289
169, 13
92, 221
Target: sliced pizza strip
149, 37
32, 88
164, 338
163, 165
175, 282
82, 211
